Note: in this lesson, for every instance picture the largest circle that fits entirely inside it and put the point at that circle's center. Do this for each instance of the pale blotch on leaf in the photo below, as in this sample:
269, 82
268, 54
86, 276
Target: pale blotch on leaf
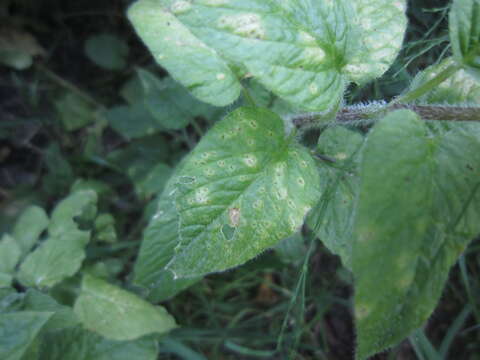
221, 76
250, 160
201, 195
301, 181
179, 7
305, 38
313, 56
247, 25
221, 163
213, 2
313, 88
234, 217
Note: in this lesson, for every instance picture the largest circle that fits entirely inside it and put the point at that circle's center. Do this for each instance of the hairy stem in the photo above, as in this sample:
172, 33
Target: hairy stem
369, 113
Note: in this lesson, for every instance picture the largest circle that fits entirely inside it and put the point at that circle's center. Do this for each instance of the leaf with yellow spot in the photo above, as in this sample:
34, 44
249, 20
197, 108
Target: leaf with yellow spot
418, 208
246, 186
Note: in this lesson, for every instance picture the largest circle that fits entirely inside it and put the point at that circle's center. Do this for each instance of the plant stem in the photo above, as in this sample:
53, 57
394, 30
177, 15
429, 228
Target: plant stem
427, 87
248, 98
369, 113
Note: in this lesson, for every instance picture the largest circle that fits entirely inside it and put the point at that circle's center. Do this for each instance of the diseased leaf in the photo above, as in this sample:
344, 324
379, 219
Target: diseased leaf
465, 34
107, 51
17, 332
303, 51
461, 87
189, 60
118, 314
31, 223
382, 25
158, 247
332, 219
418, 209
9, 256
244, 187
62, 254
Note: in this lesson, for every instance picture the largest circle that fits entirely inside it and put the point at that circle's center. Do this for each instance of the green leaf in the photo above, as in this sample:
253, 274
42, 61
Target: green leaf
382, 25
31, 223
79, 344
17, 48
153, 182
10, 300
143, 163
62, 254
9, 256
107, 51
62, 316
303, 51
189, 60
118, 314
244, 187
105, 228
132, 90
132, 121
332, 219
461, 87
415, 216
292, 249
74, 111
60, 173
170, 103
17, 332
158, 247
465, 34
